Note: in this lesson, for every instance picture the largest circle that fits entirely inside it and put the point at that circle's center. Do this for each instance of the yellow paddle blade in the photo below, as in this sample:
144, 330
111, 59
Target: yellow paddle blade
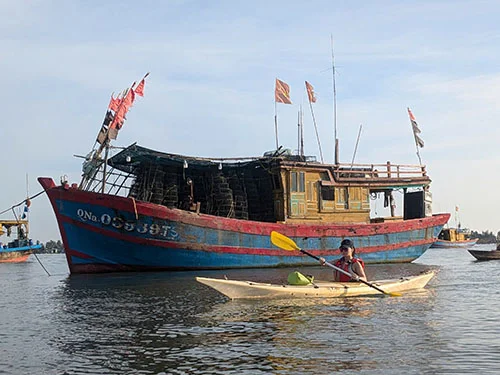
283, 242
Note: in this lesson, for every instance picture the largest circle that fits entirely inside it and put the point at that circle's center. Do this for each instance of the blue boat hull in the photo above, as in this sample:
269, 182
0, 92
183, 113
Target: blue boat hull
103, 233
17, 254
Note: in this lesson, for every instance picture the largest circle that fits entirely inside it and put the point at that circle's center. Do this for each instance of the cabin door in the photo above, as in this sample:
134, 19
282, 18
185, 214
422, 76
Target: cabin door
297, 194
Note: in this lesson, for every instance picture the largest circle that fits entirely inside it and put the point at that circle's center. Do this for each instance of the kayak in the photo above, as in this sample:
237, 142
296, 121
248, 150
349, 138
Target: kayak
235, 289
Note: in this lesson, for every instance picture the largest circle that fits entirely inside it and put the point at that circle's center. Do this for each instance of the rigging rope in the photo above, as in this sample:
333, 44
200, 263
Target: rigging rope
22, 202
39, 261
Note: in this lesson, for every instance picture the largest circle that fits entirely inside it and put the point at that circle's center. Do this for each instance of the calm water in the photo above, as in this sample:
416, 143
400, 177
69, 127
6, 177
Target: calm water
166, 323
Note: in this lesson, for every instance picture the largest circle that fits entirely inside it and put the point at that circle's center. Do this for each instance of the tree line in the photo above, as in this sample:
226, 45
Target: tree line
51, 247
486, 236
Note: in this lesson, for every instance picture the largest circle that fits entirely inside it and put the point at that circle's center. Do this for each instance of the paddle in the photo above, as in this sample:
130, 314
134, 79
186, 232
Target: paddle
285, 243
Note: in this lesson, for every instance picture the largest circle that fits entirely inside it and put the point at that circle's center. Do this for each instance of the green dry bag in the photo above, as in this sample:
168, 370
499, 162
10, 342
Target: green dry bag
296, 278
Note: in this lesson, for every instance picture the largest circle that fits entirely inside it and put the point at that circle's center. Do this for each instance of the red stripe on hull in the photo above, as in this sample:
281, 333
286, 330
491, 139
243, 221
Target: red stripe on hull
226, 249
245, 226
219, 223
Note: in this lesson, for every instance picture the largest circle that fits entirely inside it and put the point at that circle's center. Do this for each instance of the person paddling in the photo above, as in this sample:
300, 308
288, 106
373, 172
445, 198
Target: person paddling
349, 263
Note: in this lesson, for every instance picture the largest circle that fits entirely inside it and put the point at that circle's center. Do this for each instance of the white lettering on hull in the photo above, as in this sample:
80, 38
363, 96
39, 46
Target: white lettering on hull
154, 229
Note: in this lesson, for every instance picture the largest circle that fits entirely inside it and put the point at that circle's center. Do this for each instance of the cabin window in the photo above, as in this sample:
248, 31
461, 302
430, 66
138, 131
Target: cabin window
355, 194
327, 193
298, 182
302, 182
343, 197
324, 176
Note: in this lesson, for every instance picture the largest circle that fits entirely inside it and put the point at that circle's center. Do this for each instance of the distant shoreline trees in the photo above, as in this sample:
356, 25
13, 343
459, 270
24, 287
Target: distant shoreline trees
51, 247
485, 236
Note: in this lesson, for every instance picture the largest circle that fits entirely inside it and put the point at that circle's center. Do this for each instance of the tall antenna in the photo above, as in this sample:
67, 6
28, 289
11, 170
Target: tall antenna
334, 106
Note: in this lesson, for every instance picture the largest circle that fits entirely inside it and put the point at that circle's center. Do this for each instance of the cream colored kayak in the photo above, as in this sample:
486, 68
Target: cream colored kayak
250, 289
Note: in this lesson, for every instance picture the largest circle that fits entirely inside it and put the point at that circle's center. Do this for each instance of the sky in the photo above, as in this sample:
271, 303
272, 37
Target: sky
210, 92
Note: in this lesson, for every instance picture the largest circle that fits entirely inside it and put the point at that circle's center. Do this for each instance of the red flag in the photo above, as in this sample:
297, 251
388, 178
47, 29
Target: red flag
129, 99
114, 103
310, 93
282, 92
139, 90
122, 110
416, 130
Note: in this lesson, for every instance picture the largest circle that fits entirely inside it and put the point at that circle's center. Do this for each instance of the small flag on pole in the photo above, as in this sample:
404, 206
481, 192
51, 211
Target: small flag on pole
310, 93
139, 90
416, 130
282, 92
114, 103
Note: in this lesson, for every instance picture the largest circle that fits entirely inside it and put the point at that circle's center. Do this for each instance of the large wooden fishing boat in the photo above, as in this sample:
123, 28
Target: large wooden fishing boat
142, 209
189, 213
20, 248
235, 289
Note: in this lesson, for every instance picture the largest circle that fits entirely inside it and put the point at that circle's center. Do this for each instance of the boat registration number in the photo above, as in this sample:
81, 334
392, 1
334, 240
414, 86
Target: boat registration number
154, 229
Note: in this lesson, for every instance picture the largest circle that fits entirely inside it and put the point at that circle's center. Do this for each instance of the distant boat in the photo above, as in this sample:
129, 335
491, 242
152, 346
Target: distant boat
19, 249
485, 254
452, 237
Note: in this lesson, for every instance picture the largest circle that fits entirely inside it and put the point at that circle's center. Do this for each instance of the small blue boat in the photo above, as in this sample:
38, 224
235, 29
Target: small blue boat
21, 247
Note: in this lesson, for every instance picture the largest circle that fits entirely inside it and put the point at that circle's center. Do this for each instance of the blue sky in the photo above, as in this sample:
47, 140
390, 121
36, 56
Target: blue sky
211, 88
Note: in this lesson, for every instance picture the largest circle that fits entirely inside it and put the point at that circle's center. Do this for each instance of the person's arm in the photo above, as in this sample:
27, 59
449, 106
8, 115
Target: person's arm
336, 275
358, 269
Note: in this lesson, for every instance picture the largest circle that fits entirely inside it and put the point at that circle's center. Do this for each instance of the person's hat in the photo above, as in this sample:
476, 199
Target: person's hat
347, 243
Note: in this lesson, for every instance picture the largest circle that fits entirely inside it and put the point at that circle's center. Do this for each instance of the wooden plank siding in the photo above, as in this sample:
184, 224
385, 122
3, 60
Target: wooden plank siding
310, 197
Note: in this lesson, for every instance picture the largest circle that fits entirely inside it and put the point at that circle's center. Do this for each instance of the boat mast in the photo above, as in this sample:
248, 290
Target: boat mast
27, 208
312, 99
336, 154
276, 123
356, 147
106, 154
298, 132
301, 119
112, 123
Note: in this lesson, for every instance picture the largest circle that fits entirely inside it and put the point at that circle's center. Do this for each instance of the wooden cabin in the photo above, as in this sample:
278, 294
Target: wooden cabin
278, 187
